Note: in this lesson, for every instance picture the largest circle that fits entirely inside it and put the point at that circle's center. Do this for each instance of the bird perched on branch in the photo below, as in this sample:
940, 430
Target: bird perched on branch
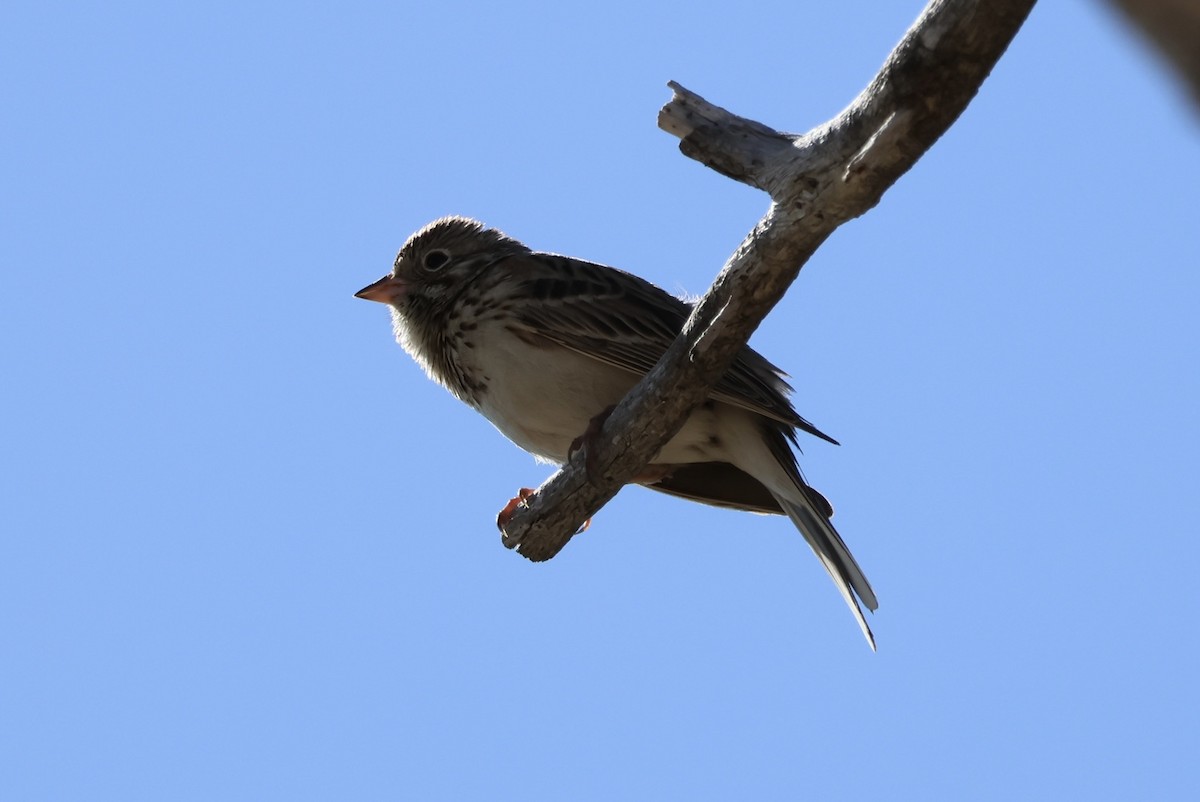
543, 344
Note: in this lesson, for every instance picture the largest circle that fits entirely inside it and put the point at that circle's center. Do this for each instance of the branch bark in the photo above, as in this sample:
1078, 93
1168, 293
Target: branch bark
816, 182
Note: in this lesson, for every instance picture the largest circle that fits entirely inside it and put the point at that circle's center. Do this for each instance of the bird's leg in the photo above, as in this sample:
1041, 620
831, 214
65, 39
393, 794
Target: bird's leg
648, 475
582, 441
587, 440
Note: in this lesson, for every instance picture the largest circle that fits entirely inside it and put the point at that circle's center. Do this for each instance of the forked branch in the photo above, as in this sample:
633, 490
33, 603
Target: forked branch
816, 181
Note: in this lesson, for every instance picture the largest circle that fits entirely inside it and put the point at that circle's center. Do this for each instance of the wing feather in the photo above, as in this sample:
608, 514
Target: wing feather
627, 322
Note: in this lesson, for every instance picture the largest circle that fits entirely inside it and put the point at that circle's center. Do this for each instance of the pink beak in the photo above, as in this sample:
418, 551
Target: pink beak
387, 290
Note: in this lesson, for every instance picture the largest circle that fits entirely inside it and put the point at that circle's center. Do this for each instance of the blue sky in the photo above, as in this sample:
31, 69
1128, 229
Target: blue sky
247, 549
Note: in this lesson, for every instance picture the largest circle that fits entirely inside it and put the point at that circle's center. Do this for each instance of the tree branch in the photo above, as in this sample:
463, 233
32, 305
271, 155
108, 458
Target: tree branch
816, 181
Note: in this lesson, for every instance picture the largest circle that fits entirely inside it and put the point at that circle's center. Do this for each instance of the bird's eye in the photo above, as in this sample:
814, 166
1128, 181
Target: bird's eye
435, 260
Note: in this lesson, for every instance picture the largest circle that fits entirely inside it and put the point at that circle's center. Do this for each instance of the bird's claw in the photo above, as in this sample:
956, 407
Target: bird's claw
510, 509
521, 499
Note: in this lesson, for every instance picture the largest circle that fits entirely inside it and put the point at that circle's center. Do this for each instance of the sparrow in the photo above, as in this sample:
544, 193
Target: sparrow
542, 344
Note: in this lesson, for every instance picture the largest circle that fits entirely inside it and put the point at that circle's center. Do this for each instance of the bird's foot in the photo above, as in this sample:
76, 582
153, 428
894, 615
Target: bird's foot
584, 441
522, 500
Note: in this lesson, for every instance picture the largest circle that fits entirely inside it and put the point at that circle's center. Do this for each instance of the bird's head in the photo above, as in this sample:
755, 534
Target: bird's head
438, 262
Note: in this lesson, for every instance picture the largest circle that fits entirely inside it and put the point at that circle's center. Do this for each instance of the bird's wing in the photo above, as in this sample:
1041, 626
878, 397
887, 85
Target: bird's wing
718, 483
627, 322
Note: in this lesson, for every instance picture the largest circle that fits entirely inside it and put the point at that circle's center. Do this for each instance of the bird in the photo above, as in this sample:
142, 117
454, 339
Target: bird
543, 344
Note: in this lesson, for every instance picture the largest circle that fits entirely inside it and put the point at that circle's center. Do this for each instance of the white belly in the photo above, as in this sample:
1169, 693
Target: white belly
543, 398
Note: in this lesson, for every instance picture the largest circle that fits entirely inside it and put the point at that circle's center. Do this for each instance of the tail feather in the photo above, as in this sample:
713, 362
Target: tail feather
833, 554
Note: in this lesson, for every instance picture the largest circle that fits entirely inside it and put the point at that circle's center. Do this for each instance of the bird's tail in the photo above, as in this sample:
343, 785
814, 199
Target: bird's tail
833, 554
